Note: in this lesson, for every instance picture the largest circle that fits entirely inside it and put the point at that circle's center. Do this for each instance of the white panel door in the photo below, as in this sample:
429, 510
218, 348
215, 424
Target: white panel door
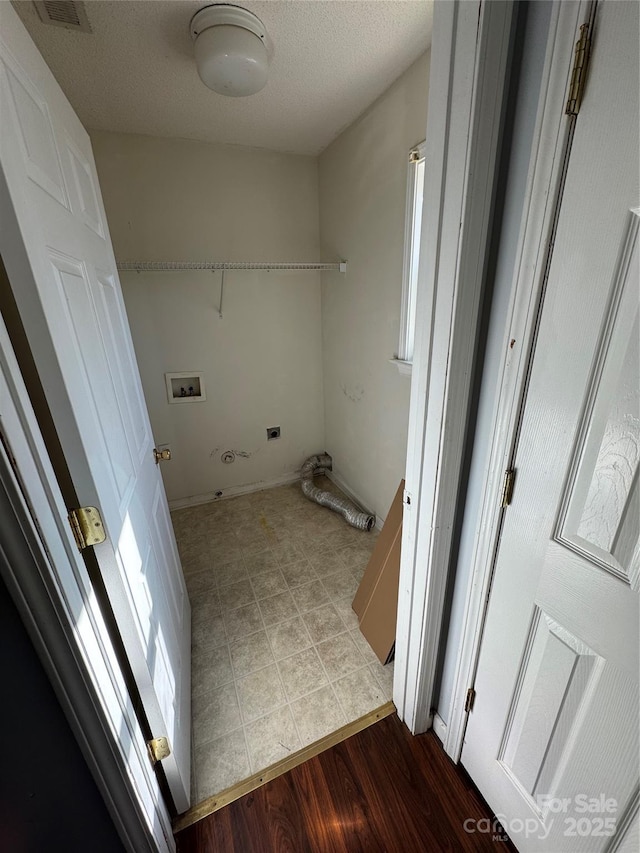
56, 248
552, 741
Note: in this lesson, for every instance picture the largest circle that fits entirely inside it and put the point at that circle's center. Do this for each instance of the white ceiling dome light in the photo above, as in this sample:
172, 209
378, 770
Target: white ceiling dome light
231, 49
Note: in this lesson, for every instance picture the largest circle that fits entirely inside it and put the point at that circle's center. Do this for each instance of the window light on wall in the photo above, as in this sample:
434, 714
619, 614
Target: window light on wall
413, 227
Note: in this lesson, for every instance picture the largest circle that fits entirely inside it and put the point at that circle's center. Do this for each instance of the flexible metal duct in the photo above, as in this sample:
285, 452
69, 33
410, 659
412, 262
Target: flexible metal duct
351, 513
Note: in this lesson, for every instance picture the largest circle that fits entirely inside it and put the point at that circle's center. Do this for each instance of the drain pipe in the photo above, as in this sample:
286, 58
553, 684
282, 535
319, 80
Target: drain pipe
351, 514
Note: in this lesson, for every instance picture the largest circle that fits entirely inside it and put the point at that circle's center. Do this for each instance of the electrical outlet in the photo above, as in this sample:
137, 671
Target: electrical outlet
273, 432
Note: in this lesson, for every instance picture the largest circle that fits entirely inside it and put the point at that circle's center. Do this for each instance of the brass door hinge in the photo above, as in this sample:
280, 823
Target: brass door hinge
579, 73
158, 748
507, 487
86, 526
471, 698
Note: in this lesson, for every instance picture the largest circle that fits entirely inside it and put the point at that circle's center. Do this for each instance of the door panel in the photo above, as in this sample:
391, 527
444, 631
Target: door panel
556, 673
113, 325
601, 505
35, 133
64, 278
83, 339
84, 197
556, 718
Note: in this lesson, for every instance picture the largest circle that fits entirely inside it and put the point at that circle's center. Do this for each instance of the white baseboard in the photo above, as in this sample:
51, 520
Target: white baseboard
439, 727
261, 485
234, 491
340, 483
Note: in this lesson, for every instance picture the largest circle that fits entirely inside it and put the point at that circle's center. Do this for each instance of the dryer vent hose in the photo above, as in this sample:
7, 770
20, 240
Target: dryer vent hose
350, 512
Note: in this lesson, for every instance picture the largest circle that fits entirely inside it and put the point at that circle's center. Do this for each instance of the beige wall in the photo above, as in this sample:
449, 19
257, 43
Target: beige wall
362, 178
263, 362
170, 199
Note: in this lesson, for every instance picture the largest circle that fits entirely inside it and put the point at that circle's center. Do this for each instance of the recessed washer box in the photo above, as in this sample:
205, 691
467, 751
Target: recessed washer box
185, 387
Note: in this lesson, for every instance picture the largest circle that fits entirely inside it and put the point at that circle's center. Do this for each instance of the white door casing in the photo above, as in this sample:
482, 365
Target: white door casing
556, 713
57, 251
551, 139
469, 66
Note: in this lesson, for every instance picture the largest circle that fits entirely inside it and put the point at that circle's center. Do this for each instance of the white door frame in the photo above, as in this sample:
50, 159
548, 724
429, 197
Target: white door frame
469, 68
447, 315
548, 161
54, 596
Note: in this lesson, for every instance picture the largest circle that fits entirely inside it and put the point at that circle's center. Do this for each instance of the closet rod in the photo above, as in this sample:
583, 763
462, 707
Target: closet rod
177, 266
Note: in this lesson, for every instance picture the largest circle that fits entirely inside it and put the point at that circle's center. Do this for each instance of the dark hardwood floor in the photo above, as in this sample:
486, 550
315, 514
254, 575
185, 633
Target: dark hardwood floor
380, 791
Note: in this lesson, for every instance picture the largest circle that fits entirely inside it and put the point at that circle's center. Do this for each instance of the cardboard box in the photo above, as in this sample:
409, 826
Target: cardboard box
376, 601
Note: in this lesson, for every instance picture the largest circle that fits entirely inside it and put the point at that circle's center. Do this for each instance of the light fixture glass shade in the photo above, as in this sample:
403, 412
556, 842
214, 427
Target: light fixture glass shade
231, 60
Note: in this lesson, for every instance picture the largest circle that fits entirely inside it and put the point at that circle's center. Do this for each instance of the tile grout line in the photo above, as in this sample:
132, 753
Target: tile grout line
301, 555
297, 613
288, 705
291, 714
284, 692
329, 683
235, 686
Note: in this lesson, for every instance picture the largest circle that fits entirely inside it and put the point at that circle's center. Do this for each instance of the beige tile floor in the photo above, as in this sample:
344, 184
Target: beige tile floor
278, 660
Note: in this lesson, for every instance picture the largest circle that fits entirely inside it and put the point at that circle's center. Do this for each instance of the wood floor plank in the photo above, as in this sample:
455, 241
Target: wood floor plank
380, 791
352, 808
374, 756
287, 826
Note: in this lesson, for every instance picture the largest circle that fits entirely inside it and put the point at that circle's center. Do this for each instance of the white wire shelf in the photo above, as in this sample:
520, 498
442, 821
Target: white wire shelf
178, 266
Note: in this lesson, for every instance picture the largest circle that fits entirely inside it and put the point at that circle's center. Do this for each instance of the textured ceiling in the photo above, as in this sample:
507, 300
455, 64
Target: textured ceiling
135, 72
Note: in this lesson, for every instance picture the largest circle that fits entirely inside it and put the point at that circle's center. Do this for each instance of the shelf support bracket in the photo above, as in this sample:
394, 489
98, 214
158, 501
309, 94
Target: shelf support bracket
221, 295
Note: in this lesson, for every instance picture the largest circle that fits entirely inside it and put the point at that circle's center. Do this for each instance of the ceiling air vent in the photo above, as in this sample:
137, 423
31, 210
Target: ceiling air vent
63, 13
